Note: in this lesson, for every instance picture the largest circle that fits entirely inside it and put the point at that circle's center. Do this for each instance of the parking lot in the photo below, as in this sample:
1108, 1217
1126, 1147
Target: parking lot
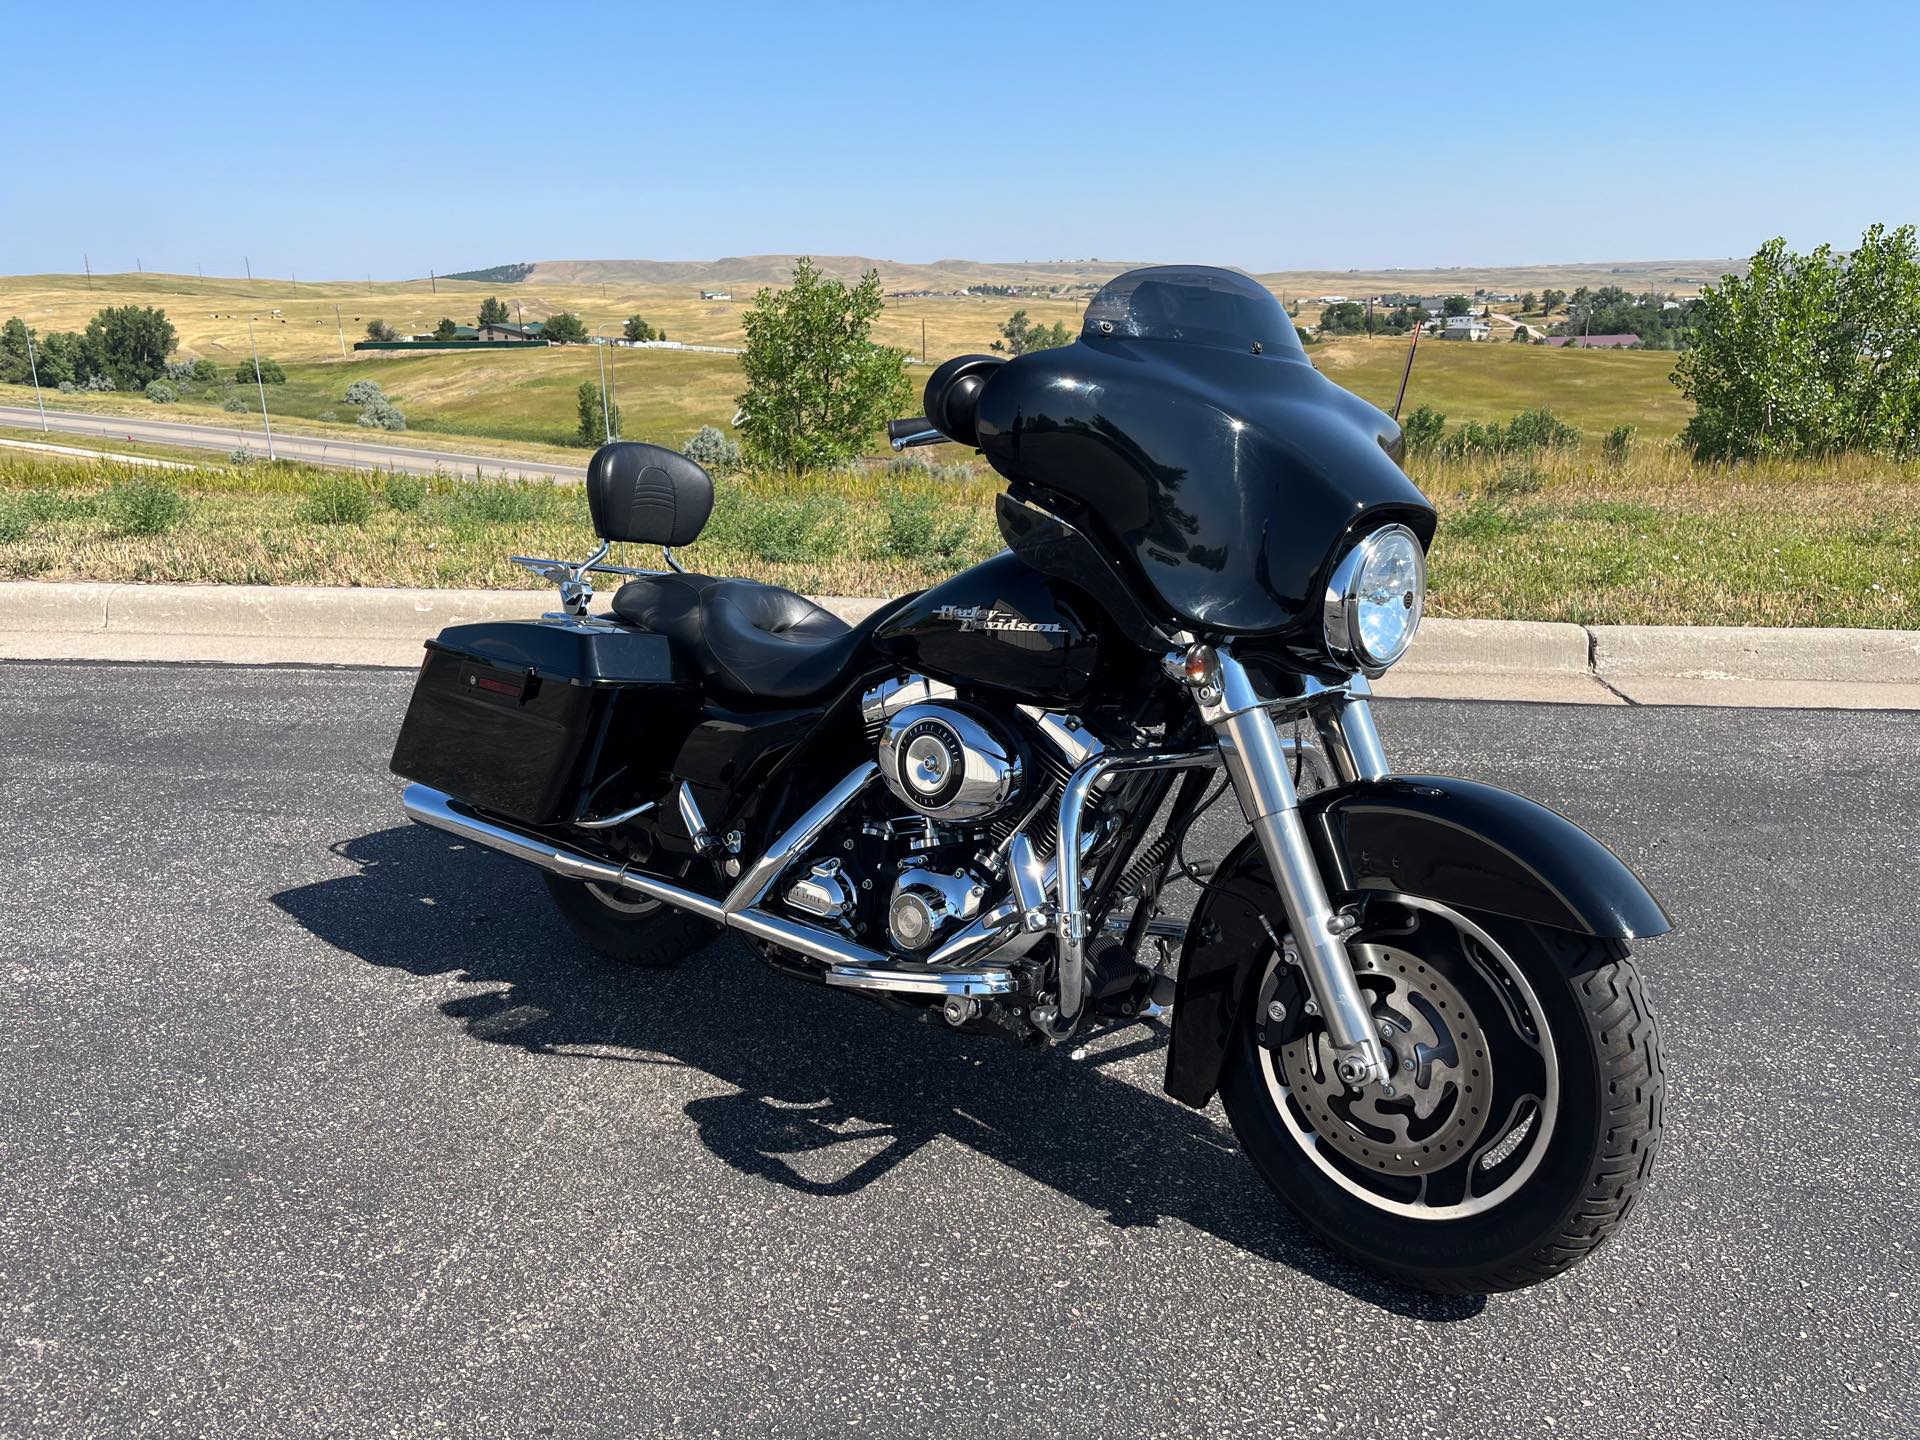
317, 1123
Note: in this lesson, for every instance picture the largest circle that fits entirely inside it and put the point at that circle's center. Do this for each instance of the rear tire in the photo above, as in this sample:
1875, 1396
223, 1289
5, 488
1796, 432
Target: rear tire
1601, 1122
629, 928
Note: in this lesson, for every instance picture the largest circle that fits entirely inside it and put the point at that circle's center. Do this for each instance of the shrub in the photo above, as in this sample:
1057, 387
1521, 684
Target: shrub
67, 387
177, 370
270, 373
364, 392
1424, 429
144, 506
13, 520
914, 530
203, 371
99, 382
499, 502
1618, 443
381, 414
597, 416
337, 500
714, 449
234, 404
380, 330
328, 415
566, 328
1540, 429
404, 492
162, 392
241, 455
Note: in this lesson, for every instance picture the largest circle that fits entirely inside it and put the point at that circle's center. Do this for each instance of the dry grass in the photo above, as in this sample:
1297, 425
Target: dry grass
1655, 541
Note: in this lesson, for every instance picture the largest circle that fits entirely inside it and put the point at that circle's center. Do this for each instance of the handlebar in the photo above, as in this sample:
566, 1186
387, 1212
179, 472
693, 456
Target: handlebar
917, 430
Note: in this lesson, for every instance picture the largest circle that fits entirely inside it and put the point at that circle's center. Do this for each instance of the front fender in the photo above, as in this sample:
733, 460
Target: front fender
1470, 846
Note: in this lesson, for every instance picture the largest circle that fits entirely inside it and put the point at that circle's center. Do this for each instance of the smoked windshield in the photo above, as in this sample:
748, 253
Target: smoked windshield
1195, 306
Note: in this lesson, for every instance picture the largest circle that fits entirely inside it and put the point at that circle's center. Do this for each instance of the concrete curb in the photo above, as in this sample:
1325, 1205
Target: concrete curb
1453, 659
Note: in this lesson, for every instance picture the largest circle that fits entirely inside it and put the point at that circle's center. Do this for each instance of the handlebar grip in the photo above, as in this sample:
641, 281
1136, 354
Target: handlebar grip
917, 430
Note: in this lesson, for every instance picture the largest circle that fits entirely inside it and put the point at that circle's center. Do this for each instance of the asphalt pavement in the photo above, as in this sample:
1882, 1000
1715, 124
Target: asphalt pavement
316, 1124
340, 454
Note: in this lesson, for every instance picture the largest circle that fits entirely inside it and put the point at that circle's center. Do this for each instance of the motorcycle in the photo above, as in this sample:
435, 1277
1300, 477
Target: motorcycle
1412, 994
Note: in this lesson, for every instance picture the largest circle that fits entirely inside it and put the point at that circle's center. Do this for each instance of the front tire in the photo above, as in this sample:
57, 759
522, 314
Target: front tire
630, 928
1525, 1116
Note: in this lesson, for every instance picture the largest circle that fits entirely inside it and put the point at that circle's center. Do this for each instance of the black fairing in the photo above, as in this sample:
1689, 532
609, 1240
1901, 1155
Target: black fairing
1470, 846
999, 626
1186, 432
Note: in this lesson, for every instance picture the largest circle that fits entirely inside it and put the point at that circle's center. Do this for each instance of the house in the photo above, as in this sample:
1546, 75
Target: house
528, 334
1331, 300
1466, 327
1499, 297
716, 294
1597, 342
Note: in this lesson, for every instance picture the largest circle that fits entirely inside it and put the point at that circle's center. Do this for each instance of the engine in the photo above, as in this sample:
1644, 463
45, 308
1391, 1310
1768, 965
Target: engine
925, 854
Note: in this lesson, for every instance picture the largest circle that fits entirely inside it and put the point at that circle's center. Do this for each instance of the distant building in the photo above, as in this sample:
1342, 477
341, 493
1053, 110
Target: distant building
716, 294
1331, 300
1466, 327
526, 334
1597, 342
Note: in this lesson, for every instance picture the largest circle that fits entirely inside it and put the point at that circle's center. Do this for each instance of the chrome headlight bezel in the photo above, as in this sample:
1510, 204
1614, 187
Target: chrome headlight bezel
1342, 612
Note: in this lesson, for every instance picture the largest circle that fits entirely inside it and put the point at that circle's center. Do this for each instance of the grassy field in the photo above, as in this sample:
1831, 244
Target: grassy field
1653, 541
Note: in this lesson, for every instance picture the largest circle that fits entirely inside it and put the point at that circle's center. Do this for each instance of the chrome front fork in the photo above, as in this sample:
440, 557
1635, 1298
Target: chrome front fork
1256, 758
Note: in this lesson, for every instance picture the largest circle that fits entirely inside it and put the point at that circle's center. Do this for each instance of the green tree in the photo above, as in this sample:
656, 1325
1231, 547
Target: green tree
16, 365
380, 330
1526, 303
817, 388
1809, 354
1423, 429
1349, 317
270, 372
1021, 334
131, 343
566, 328
1552, 300
1455, 305
594, 418
446, 329
637, 328
493, 311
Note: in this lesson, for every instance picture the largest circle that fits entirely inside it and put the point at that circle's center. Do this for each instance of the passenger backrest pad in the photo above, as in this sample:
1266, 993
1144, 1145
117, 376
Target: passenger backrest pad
647, 494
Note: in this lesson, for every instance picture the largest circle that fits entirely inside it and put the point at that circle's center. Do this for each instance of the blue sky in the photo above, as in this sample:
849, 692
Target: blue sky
341, 139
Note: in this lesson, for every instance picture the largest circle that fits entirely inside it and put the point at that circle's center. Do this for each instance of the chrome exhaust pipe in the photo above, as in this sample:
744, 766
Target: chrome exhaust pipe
847, 965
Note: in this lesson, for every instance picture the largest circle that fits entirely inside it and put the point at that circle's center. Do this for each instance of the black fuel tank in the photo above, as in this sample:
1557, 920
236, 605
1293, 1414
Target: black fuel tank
1001, 626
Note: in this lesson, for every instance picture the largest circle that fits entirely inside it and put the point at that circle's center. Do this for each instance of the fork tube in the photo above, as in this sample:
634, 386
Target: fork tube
1257, 761
1344, 719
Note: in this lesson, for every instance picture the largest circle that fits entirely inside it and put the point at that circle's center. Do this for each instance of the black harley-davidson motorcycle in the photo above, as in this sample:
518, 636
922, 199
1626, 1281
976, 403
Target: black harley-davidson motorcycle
1412, 993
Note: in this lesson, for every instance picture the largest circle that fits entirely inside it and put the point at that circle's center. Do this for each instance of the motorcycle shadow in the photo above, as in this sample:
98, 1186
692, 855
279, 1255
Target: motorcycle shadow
831, 1092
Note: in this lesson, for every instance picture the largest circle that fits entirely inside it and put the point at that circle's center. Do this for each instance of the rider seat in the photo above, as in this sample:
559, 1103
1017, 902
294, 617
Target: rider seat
757, 641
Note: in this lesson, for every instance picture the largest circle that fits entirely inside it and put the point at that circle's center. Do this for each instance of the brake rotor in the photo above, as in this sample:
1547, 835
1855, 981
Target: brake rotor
1441, 1076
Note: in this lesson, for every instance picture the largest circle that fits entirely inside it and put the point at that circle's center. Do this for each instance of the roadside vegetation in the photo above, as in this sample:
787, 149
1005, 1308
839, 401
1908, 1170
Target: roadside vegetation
1651, 537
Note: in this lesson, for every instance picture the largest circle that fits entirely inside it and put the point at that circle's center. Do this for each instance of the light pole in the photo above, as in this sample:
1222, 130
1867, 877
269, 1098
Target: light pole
262, 384
606, 391
34, 366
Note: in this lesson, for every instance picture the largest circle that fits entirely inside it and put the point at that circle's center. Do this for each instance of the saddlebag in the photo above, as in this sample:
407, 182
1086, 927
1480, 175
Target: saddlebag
515, 717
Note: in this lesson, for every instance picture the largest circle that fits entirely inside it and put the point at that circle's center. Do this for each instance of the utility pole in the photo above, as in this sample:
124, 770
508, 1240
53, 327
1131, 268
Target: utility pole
434, 281
247, 260
343, 332
262, 384
87, 261
34, 366
923, 339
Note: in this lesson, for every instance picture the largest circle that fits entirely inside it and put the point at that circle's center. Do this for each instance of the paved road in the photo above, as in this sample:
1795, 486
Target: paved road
314, 1125
342, 454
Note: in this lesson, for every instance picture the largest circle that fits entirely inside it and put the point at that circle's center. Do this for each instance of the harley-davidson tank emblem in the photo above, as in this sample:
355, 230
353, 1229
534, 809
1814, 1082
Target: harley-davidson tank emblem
986, 617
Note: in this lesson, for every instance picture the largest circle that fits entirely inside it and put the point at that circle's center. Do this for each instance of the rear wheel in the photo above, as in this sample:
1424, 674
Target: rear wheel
625, 926
1523, 1111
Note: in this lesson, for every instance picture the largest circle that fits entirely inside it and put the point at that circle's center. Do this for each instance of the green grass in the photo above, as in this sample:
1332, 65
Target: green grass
1654, 540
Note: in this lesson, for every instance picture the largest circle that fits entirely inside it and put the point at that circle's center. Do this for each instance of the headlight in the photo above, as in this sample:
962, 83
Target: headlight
1375, 599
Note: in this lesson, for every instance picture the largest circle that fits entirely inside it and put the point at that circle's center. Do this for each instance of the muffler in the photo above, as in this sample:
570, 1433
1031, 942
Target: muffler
848, 965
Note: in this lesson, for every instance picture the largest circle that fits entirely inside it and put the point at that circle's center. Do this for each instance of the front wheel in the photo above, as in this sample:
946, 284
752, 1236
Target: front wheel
1520, 1121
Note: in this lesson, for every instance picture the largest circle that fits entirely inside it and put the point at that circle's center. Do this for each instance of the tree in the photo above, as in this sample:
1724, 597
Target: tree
1423, 429
594, 419
16, 365
493, 311
380, 330
1349, 317
1021, 335
1809, 354
446, 329
1552, 300
130, 343
1526, 303
270, 373
637, 328
1455, 305
818, 389
566, 328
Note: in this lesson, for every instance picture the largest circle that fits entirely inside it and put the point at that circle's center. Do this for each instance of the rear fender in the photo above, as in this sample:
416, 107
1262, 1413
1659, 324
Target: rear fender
1469, 846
